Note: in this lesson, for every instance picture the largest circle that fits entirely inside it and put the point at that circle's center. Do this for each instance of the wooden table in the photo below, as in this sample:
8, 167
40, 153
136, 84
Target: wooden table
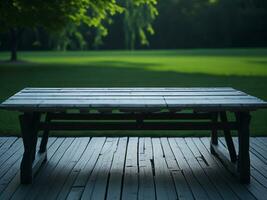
46, 109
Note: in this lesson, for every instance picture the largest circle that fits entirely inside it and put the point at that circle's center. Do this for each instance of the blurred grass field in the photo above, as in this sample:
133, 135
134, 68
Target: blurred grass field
243, 69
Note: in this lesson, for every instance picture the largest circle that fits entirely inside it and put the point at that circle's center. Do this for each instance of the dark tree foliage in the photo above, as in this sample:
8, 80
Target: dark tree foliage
15, 15
180, 24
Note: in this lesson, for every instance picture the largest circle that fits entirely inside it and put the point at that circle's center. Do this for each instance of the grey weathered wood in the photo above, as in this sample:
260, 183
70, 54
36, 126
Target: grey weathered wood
255, 186
163, 179
133, 93
53, 146
60, 178
259, 169
117, 171
197, 170
197, 191
130, 89
185, 185
3, 140
146, 188
85, 172
130, 97
37, 98
75, 193
14, 183
67, 190
182, 188
4, 167
217, 176
130, 181
262, 140
239, 189
43, 178
219, 183
96, 185
9, 149
54, 178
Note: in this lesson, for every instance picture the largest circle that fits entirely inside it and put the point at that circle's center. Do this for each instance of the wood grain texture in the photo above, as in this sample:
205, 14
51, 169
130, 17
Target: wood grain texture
131, 98
141, 168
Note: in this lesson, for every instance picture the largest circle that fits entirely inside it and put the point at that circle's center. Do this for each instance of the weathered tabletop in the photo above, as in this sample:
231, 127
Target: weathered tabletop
163, 98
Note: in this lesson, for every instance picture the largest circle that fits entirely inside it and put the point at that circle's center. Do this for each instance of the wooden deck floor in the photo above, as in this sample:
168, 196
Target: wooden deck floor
130, 168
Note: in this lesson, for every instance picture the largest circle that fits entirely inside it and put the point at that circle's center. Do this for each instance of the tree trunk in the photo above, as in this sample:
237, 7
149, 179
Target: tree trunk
14, 44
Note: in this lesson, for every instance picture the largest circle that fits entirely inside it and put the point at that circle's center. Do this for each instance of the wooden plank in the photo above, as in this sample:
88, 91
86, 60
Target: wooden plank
83, 168
95, 147
130, 181
54, 149
9, 168
134, 93
67, 191
191, 103
2, 141
213, 102
132, 97
130, 89
67, 165
53, 177
262, 140
169, 157
163, 180
42, 180
196, 188
4, 167
261, 149
21, 191
182, 188
5, 147
256, 186
146, 188
240, 190
10, 150
75, 193
197, 170
226, 185
88, 103
259, 168
13, 178
117, 171
212, 173
95, 187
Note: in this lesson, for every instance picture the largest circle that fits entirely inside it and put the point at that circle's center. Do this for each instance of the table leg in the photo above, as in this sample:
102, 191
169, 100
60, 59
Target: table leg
45, 135
29, 129
214, 133
228, 138
243, 165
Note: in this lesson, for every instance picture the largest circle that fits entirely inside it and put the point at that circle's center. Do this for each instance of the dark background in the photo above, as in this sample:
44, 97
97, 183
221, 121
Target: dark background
180, 24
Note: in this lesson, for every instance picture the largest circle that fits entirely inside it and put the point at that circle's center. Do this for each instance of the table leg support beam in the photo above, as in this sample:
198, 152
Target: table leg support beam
228, 138
239, 165
45, 136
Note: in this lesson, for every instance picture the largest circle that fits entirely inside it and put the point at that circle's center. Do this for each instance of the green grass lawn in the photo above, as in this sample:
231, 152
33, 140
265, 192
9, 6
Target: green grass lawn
243, 69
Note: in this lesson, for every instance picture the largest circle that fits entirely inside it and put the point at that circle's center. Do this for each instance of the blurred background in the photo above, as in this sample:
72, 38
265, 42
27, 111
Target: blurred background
176, 24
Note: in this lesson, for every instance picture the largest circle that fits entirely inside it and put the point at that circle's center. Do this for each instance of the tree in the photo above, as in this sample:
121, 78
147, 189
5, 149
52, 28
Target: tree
15, 15
138, 18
